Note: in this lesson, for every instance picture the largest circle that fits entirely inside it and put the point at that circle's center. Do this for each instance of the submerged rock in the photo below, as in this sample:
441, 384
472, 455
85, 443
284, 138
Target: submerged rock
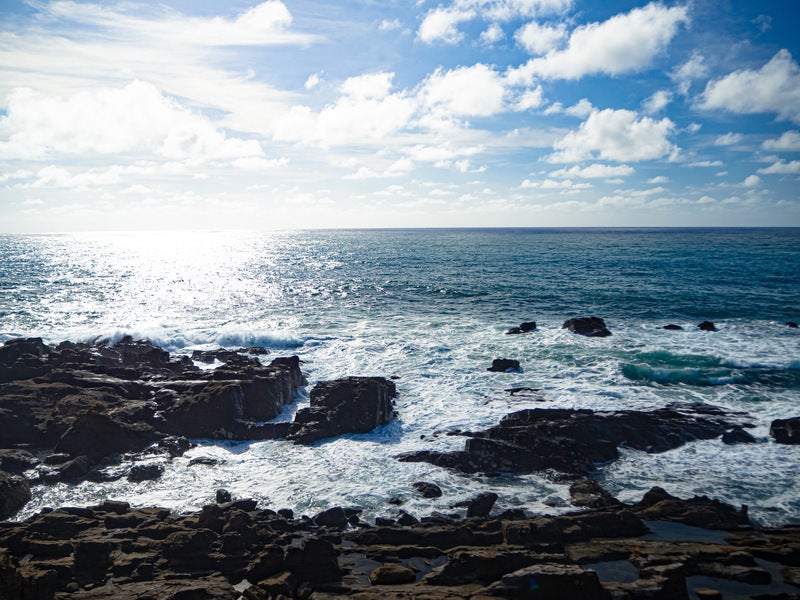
707, 326
673, 327
349, 405
738, 435
588, 326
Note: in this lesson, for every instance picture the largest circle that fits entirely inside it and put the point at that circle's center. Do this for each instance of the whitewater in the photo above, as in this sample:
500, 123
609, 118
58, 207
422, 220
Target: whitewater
431, 308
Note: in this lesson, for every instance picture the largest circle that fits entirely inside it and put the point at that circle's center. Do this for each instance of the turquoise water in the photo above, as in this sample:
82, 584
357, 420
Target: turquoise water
431, 307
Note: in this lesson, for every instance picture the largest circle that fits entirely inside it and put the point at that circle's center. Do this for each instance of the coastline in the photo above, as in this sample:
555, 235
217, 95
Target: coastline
133, 396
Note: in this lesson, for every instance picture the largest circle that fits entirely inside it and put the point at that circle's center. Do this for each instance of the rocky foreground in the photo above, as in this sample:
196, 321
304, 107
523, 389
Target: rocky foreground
80, 411
236, 550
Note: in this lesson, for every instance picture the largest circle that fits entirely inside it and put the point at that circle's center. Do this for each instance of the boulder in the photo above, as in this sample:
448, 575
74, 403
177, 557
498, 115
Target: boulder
16, 461
588, 493
145, 472
349, 405
786, 431
550, 581
673, 327
428, 490
481, 505
15, 492
522, 328
390, 574
707, 326
588, 326
504, 365
333, 517
738, 435
792, 325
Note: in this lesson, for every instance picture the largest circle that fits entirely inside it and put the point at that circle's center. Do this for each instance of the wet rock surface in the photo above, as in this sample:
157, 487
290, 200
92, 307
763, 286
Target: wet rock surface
573, 441
349, 405
587, 326
237, 549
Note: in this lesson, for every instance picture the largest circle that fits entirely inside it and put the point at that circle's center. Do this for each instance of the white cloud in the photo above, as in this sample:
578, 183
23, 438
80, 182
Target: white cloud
262, 25
752, 181
137, 117
694, 68
617, 135
312, 81
595, 171
624, 43
658, 179
371, 85
788, 142
729, 139
657, 102
582, 109
256, 163
441, 25
390, 25
475, 91
775, 87
706, 163
553, 184
782, 168
539, 39
493, 34
530, 99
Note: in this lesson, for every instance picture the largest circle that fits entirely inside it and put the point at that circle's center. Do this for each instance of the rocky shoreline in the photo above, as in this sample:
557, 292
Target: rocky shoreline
73, 412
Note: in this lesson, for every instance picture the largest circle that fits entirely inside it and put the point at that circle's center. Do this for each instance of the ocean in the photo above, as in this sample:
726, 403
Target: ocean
431, 307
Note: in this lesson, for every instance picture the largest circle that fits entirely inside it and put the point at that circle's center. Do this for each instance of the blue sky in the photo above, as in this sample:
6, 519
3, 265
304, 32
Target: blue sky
282, 114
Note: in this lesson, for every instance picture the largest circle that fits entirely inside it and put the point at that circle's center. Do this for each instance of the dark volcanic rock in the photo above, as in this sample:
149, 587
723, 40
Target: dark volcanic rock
700, 511
481, 505
707, 326
349, 405
523, 328
504, 365
145, 472
97, 435
101, 400
590, 494
738, 435
15, 492
572, 441
428, 490
792, 325
588, 326
673, 327
786, 431
16, 461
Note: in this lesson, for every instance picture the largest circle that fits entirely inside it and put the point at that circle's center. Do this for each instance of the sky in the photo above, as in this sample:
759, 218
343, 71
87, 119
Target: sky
431, 113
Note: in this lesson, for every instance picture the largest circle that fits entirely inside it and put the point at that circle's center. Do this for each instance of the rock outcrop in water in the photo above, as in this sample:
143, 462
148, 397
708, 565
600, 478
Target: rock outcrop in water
349, 405
573, 441
588, 326
113, 551
77, 405
786, 431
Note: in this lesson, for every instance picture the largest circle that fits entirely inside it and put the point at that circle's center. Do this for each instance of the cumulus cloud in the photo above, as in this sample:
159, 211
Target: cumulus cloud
264, 24
729, 139
539, 39
782, 167
493, 34
595, 171
441, 25
530, 99
788, 142
370, 85
137, 117
617, 135
657, 102
752, 181
693, 69
476, 91
774, 88
624, 43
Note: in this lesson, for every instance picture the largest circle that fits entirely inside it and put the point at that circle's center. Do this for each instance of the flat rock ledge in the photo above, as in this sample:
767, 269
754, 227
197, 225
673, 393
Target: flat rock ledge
237, 550
573, 441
